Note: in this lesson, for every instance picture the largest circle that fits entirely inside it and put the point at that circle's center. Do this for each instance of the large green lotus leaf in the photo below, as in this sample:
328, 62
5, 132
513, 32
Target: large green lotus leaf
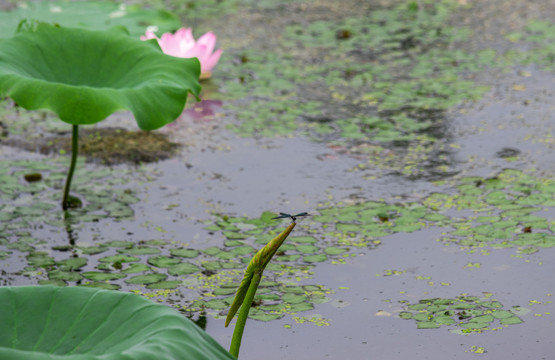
89, 15
77, 323
84, 75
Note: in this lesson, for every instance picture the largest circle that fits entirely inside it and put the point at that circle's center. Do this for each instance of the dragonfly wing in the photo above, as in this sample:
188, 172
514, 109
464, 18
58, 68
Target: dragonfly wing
282, 216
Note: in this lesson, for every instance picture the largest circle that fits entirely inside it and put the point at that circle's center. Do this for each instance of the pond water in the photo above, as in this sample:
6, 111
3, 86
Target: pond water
418, 135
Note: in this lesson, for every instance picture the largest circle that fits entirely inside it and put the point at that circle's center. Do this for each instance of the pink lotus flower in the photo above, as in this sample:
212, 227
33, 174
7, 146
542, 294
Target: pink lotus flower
183, 44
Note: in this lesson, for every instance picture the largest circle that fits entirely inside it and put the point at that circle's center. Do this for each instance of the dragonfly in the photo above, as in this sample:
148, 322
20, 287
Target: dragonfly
293, 217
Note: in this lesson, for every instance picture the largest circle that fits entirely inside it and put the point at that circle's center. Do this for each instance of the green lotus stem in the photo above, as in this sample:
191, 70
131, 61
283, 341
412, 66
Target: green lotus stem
247, 290
243, 315
74, 151
67, 223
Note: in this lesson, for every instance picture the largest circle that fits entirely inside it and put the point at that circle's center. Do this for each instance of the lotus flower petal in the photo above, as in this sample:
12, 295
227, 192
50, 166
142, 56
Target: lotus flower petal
212, 60
149, 35
208, 40
182, 44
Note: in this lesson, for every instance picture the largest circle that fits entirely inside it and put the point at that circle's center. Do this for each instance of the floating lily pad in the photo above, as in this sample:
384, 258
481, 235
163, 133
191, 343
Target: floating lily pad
502, 314
155, 242
64, 275
212, 251
477, 322
92, 250
307, 249
140, 250
234, 235
427, 325
136, 268
72, 264
288, 258
102, 276
119, 244
101, 285
232, 265
53, 282
22, 247
407, 228
146, 279
405, 315
293, 289
241, 250
293, 299
119, 211
163, 261
301, 307
211, 265
225, 291
302, 239
183, 269
232, 243
519, 310
466, 312
263, 316
40, 259
315, 258
186, 253
216, 304
118, 259
512, 320
333, 250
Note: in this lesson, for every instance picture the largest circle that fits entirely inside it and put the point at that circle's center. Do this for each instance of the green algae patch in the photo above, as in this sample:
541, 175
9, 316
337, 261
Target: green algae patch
107, 146
101, 192
272, 301
376, 86
404, 43
538, 36
463, 314
506, 207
